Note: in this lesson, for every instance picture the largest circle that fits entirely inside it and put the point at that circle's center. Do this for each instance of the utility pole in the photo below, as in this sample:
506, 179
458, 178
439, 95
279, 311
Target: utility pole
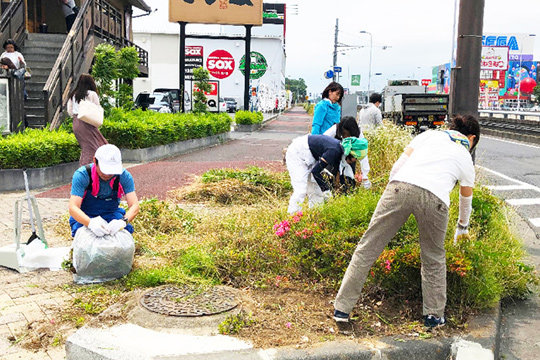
465, 77
335, 49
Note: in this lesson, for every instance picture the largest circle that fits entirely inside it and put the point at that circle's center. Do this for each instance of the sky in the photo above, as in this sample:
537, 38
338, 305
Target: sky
417, 35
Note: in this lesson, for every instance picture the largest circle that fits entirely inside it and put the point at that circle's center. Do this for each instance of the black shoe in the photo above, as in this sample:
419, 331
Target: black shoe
432, 321
340, 316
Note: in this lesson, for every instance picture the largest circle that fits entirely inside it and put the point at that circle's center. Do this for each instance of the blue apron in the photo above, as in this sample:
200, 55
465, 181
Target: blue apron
107, 208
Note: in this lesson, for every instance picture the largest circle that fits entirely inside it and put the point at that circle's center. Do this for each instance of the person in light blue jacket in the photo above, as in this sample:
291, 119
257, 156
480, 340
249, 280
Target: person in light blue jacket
327, 111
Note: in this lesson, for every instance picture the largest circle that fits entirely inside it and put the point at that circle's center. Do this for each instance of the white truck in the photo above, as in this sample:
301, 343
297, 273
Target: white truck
405, 102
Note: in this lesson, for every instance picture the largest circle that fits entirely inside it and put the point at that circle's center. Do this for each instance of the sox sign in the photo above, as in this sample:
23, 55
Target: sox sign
220, 64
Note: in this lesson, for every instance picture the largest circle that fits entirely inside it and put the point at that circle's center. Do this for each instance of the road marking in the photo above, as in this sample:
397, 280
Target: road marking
509, 187
521, 185
519, 202
512, 142
529, 186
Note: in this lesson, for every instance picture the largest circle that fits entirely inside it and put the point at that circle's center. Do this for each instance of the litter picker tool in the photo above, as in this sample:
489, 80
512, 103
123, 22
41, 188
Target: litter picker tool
34, 235
11, 255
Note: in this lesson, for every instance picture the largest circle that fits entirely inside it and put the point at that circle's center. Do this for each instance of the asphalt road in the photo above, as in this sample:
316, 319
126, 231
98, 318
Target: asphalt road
513, 172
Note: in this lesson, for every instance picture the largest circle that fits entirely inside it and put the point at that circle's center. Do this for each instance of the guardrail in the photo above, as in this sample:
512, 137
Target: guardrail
510, 115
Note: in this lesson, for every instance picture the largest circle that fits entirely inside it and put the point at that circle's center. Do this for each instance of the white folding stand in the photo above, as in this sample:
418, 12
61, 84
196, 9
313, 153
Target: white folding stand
10, 255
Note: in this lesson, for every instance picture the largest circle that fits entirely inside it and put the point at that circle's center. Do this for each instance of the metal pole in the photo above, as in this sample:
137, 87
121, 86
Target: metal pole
466, 74
247, 67
335, 50
182, 53
370, 57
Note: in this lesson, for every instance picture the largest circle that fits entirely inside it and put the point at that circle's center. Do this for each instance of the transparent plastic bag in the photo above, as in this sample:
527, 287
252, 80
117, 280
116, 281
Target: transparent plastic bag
100, 259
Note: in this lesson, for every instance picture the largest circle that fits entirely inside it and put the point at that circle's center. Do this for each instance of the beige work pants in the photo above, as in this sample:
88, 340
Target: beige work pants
398, 201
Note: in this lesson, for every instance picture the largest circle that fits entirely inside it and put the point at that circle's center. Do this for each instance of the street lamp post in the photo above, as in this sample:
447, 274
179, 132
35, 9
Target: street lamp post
519, 70
370, 56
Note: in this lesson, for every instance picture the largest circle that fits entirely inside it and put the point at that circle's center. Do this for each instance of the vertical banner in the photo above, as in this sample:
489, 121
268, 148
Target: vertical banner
194, 60
231, 12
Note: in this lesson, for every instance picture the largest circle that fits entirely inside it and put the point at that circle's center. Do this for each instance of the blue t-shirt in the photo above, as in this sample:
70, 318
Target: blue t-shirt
325, 115
81, 180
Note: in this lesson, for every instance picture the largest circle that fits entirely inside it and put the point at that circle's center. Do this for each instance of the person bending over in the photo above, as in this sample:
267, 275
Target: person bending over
96, 190
420, 184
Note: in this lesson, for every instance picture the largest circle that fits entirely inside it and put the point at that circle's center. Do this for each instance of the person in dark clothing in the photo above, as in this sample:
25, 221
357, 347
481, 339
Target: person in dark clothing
309, 156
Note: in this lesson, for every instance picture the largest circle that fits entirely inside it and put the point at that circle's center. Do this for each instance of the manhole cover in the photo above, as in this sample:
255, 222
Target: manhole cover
173, 301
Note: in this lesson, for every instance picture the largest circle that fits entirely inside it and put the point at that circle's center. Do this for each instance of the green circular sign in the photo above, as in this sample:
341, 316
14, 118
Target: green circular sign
258, 65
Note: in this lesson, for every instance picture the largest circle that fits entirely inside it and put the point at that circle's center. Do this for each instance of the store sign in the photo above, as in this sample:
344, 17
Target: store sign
231, 12
425, 82
220, 64
212, 96
494, 58
194, 60
274, 14
258, 65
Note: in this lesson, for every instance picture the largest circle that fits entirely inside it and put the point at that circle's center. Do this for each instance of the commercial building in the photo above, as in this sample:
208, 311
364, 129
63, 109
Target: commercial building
223, 58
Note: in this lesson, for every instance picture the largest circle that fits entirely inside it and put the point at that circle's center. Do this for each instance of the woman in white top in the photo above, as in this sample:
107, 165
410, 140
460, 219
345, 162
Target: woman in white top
88, 136
13, 59
420, 184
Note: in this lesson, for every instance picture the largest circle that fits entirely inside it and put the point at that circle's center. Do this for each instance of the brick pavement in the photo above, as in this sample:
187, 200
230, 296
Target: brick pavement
32, 298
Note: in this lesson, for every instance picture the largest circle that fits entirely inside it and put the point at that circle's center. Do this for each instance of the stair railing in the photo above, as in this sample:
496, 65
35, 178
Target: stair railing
12, 25
97, 21
74, 59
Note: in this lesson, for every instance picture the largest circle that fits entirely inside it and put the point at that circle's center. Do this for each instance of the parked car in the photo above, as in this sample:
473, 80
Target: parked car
222, 105
231, 104
175, 94
160, 102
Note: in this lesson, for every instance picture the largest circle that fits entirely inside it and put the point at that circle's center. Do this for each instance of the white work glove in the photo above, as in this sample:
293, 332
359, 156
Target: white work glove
98, 226
115, 226
327, 195
462, 232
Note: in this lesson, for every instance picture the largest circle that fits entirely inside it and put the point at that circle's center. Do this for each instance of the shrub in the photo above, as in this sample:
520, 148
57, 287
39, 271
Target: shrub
244, 117
36, 148
310, 108
140, 129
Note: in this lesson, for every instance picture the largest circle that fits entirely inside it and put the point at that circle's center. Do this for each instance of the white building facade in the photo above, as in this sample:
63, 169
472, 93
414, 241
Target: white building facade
222, 57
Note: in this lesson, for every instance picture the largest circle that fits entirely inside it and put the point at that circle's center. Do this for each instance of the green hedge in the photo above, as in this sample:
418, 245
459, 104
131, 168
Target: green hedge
36, 148
141, 129
244, 117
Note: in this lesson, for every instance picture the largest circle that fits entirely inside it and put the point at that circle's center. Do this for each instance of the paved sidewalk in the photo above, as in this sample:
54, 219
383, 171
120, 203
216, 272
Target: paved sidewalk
28, 301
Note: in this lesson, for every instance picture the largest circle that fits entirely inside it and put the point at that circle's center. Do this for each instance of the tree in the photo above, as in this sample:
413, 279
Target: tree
114, 72
536, 93
201, 77
298, 87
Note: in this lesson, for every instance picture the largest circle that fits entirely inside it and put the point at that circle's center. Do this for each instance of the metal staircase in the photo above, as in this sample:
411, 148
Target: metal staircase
40, 52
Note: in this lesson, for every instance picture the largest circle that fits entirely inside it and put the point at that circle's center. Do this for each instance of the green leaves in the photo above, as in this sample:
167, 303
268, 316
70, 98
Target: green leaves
110, 66
243, 117
35, 148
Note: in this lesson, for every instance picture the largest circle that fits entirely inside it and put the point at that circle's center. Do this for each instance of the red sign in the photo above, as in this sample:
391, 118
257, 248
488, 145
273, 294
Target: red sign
213, 91
426, 82
220, 64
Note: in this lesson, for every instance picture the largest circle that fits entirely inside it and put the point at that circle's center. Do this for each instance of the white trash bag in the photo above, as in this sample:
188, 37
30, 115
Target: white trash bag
100, 259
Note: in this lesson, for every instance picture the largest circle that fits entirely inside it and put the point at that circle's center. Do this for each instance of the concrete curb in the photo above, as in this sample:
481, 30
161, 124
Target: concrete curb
530, 139
13, 180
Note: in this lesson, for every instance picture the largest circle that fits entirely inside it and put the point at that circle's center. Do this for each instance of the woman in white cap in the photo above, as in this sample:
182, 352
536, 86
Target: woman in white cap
96, 190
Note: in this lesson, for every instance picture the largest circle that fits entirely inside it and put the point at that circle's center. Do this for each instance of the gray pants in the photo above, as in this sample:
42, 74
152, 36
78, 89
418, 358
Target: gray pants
398, 201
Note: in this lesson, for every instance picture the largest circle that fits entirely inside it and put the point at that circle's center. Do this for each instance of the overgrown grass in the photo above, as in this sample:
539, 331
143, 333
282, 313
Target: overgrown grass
248, 244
